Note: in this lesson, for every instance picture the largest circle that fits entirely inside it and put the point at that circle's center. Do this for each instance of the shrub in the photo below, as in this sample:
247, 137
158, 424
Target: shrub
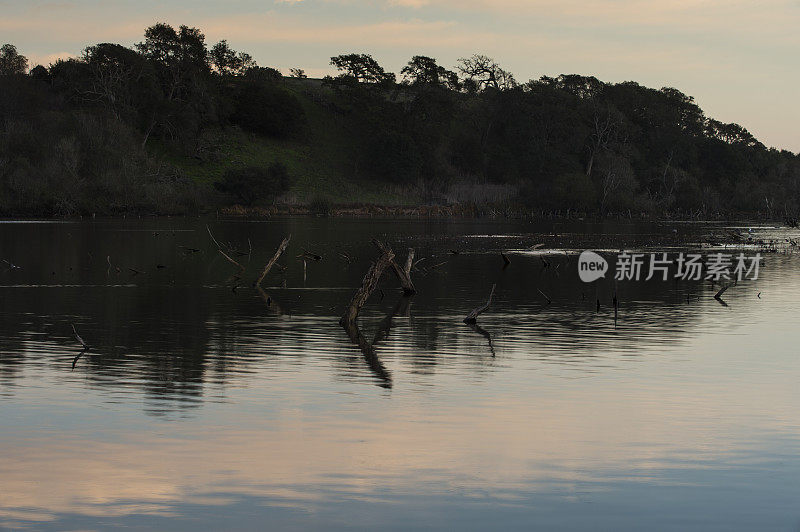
252, 184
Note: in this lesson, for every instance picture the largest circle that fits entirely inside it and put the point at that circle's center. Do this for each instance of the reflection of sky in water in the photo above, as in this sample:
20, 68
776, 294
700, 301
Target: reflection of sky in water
200, 407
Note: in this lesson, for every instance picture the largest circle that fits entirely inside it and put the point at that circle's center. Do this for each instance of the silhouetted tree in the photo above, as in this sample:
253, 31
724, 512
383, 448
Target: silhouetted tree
12, 62
423, 70
228, 62
362, 68
483, 72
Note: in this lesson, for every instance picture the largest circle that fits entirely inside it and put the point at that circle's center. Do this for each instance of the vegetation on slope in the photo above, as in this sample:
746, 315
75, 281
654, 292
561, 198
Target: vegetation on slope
173, 126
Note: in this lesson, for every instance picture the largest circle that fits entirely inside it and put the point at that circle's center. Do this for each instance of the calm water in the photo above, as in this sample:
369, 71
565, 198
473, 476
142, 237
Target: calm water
203, 406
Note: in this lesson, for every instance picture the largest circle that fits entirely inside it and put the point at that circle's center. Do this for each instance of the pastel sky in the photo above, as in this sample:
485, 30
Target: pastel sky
738, 58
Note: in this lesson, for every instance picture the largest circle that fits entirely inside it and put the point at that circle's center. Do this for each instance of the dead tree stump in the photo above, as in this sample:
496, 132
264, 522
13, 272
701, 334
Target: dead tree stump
472, 317
273, 260
367, 287
402, 274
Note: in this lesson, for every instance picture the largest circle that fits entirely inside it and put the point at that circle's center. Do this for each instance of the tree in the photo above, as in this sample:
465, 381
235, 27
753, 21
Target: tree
12, 62
298, 73
362, 68
184, 47
228, 62
39, 73
121, 79
606, 123
730, 133
483, 72
422, 70
182, 70
267, 109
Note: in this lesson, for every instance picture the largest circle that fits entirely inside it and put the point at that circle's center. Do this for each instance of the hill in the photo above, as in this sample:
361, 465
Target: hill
174, 126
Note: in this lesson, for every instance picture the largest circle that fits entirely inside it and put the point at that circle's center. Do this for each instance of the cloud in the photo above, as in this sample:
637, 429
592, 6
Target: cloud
47, 59
735, 56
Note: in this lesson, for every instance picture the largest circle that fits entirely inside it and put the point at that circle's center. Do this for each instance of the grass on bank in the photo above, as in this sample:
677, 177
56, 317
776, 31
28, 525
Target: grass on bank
319, 168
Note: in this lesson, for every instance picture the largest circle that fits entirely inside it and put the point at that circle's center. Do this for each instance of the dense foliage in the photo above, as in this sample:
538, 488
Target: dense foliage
92, 134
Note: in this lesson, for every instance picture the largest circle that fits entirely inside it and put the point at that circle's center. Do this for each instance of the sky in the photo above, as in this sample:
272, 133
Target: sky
737, 58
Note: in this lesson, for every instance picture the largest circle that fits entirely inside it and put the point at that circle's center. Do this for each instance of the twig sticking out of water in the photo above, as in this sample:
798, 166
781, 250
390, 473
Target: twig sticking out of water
78, 337
409, 261
506, 260
718, 295
545, 296
219, 248
273, 260
472, 317
242, 268
212, 237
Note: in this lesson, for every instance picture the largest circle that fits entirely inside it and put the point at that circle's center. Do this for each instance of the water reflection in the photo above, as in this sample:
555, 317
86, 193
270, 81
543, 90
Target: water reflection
204, 397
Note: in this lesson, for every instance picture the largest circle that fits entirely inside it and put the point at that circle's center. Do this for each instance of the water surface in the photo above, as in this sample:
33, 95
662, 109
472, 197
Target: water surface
204, 403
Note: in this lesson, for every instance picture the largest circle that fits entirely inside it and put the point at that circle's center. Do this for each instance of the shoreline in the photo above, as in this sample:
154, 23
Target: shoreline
432, 212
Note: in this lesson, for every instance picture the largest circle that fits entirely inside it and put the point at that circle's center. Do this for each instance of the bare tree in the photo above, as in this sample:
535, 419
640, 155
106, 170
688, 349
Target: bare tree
484, 72
605, 129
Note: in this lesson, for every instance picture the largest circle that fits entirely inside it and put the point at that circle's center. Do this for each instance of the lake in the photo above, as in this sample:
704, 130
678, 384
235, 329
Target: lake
207, 404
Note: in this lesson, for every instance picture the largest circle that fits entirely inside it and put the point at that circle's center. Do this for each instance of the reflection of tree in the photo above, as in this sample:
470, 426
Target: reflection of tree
173, 334
368, 348
483, 332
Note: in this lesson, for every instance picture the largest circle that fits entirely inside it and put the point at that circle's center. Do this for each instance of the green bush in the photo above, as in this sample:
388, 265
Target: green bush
253, 183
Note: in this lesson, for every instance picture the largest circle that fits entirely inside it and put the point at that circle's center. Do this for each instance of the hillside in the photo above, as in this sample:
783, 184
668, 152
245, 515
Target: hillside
175, 126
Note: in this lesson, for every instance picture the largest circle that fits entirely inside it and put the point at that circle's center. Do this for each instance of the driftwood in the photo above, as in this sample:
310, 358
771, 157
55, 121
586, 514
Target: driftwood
242, 268
219, 248
402, 274
307, 255
11, 265
273, 260
367, 287
212, 237
506, 260
472, 317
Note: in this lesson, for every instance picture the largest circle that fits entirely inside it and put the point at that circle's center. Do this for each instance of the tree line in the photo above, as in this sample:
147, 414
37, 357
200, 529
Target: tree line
101, 133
